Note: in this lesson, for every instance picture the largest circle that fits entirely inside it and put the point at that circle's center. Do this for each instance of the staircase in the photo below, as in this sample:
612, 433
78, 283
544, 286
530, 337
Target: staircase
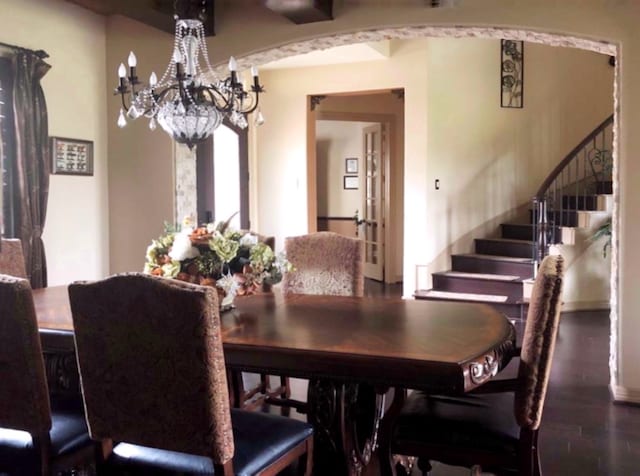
495, 273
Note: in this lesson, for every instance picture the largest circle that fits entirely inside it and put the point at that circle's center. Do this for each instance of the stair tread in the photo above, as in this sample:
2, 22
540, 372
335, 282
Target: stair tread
506, 240
484, 276
498, 257
461, 296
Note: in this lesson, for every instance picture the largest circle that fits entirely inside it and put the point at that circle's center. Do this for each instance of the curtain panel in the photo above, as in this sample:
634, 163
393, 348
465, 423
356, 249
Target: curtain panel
33, 163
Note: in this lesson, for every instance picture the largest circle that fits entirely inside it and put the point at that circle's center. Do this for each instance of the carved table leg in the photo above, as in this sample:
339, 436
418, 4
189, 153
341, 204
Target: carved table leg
62, 373
388, 461
346, 417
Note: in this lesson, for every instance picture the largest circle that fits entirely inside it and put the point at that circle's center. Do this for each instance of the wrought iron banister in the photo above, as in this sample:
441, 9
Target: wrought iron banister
572, 185
571, 155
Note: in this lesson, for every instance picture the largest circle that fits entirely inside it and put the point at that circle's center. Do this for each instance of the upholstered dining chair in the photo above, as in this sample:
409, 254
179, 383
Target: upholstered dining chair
37, 435
323, 263
497, 426
153, 379
12, 258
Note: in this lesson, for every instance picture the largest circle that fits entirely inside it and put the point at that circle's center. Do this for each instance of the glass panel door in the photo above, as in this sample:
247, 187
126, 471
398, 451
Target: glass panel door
373, 201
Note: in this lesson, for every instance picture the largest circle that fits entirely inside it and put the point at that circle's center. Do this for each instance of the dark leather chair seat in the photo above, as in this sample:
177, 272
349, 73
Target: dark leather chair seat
496, 428
68, 434
482, 422
259, 439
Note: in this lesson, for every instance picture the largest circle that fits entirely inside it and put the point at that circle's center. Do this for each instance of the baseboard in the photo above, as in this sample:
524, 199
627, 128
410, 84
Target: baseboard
624, 394
585, 306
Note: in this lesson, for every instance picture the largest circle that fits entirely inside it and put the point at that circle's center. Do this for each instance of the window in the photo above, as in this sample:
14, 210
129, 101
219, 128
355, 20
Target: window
7, 151
223, 177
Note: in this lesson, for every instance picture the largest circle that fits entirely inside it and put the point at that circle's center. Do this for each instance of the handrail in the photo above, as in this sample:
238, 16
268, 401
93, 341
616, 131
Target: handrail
560, 167
554, 205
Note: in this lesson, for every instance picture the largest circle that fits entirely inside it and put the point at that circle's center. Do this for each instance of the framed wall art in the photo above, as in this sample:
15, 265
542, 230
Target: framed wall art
71, 156
350, 182
351, 165
511, 73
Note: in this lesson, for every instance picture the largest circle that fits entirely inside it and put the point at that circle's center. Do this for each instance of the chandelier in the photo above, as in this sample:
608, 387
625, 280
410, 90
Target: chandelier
190, 100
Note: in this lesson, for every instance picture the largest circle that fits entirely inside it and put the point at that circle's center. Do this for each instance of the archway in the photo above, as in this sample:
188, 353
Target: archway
413, 32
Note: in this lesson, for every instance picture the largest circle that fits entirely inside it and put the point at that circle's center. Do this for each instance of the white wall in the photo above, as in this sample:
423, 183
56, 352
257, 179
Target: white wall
76, 232
491, 160
335, 141
244, 31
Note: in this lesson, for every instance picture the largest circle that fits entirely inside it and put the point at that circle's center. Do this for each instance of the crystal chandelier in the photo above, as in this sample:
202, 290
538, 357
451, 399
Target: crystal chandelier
190, 100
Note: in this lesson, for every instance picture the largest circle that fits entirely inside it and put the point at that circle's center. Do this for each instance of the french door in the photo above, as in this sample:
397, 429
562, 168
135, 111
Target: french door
374, 154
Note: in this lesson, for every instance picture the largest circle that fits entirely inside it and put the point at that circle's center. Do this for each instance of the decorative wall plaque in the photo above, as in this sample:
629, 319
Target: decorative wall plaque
71, 156
512, 73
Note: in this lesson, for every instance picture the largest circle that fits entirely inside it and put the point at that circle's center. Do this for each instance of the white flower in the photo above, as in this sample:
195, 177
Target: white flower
182, 248
211, 227
152, 252
228, 284
249, 240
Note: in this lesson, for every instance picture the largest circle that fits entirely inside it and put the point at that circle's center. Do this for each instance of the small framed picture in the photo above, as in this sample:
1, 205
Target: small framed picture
351, 165
350, 182
71, 156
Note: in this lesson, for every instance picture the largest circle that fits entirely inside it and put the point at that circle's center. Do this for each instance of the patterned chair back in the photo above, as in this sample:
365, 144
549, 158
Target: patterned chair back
325, 263
12, 258
151, 364
24, 396
539, 342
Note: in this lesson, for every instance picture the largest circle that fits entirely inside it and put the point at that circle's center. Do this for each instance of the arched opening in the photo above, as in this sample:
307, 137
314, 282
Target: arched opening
474, 32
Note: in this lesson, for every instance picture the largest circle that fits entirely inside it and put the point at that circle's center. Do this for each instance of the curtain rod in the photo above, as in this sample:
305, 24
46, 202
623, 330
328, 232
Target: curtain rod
42, 54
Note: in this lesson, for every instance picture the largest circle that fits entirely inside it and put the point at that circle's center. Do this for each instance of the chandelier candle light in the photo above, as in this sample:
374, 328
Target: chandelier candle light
188, 102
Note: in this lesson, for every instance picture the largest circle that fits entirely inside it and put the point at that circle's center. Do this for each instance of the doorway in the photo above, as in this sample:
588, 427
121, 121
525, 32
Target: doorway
355, 150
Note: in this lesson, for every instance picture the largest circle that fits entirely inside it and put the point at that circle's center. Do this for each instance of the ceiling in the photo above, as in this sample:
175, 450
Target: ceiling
160, 13
338, 55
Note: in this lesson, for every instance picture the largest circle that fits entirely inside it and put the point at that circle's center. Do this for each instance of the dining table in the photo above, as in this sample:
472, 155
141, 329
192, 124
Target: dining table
352, 349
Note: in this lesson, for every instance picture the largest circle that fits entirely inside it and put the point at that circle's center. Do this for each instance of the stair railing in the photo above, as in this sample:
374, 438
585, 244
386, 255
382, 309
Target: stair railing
584, 172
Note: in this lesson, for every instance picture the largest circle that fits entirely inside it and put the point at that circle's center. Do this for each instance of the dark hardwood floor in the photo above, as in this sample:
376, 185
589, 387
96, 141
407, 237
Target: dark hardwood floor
583, 431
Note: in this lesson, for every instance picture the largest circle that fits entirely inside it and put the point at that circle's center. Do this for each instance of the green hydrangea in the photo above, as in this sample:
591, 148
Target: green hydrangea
226, 249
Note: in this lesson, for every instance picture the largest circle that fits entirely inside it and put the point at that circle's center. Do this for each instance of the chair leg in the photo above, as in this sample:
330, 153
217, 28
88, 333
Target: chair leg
307, 459
424, 465
537, 470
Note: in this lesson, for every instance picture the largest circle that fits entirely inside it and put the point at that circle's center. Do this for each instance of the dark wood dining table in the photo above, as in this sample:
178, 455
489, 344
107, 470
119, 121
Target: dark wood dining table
353, 350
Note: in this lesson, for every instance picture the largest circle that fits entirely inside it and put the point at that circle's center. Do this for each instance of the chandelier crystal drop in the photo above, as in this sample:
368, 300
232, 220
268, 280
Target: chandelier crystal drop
189, 101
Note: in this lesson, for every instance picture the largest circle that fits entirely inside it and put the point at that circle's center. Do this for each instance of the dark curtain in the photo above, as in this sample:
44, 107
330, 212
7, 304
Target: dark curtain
33, 163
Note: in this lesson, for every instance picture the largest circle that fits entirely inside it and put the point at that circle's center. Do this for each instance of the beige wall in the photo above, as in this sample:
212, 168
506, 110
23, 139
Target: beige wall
335, 141
491, 160
77, 230
387, 108
603, 20
139, 201
141, 162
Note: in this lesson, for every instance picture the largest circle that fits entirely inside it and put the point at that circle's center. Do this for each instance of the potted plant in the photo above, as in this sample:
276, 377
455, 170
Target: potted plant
603, 230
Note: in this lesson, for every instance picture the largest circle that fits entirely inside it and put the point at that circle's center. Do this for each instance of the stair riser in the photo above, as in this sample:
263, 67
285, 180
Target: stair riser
580, 203
604, 187
498, 248
512, 311
478, 286
478, 265
523, 232
564, 218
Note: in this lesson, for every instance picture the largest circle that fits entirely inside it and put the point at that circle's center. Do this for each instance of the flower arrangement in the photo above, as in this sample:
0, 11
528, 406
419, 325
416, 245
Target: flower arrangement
235, 262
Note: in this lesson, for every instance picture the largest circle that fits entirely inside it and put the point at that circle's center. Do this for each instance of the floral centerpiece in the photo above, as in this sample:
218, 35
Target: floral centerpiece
235, 262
